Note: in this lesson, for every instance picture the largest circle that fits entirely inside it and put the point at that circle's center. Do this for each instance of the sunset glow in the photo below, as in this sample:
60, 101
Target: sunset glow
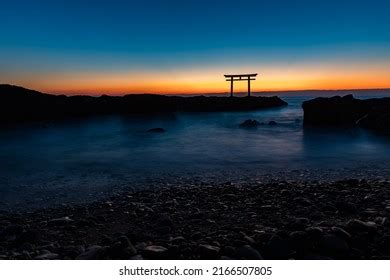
187, 50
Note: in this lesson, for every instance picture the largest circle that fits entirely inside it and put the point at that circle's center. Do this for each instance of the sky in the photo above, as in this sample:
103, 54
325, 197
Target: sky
117, 47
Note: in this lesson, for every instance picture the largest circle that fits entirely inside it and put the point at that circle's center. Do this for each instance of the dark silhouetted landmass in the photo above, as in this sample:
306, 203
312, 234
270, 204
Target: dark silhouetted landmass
20, 104
348, 111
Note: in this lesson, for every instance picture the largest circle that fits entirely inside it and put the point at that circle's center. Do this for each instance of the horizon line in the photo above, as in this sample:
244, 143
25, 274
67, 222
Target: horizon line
204, 93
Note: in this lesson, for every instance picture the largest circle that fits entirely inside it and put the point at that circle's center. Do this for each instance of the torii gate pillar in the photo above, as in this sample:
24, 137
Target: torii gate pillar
240, 77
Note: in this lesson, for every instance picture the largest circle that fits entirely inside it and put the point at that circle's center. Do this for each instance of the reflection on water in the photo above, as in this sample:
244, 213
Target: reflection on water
84, 155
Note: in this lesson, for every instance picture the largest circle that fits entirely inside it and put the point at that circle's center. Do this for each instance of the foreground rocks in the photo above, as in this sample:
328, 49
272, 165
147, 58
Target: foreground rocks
281, 220
348, 111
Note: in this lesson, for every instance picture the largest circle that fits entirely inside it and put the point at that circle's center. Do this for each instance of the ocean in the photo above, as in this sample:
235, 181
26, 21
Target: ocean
47, 164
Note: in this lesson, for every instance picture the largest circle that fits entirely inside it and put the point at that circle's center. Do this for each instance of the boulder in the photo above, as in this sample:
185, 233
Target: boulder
247, 252
348, 111
157, 130
249, 124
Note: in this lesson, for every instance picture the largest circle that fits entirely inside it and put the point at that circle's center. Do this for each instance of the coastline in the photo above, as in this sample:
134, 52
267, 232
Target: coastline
224, 220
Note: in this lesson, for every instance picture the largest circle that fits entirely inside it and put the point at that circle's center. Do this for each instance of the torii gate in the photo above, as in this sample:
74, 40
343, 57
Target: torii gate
240, 77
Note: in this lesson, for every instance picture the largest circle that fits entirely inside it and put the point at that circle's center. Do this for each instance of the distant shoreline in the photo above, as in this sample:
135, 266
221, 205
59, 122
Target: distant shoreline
304, 92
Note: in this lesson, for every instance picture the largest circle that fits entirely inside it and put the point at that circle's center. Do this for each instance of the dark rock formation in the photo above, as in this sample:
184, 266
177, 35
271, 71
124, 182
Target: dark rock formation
20, 104
249, 124
157, 130
348, 111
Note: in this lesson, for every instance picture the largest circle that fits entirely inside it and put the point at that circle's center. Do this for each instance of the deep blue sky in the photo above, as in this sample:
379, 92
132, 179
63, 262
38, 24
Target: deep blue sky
121, 37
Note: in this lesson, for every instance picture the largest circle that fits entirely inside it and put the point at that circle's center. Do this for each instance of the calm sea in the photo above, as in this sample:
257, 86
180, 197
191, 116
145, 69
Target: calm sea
73, 161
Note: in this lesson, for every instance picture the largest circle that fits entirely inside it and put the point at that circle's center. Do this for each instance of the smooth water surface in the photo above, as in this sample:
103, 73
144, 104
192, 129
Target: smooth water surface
79, 159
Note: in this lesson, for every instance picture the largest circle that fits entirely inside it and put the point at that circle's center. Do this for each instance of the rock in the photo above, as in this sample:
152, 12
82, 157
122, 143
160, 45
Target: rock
20, 104
72, 251
60, 221
348, 111
164, 220
229, 251
157, 130
12, 230
154, 252
333, 245
299, 240
178, 240
208, 252
346, 207
47, 256
272, 123
277, 248
341, 233
249, 124
163, 230
385, 244
122, 249
92, 253
314, 233
357, 226
247, 252
29, 236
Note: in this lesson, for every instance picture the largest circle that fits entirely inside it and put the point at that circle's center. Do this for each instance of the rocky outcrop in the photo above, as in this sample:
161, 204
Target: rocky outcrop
348, 111
20, 104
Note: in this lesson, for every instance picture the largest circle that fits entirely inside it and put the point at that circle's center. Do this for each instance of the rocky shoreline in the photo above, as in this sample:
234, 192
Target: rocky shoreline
277, 220
18, 104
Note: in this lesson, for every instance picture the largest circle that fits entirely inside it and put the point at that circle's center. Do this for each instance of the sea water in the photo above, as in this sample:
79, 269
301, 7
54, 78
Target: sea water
77, 160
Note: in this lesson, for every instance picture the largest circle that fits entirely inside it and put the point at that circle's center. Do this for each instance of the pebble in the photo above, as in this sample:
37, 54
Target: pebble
154, 252
247, 252
208, 251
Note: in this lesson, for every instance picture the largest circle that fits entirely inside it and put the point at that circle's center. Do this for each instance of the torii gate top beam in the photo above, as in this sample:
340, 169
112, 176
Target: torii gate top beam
240, 77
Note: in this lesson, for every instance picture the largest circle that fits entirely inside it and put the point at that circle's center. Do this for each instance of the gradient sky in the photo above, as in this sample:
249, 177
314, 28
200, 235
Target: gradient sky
174, 46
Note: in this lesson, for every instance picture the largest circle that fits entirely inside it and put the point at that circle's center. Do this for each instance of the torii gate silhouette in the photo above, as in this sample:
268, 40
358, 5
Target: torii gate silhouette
240, 77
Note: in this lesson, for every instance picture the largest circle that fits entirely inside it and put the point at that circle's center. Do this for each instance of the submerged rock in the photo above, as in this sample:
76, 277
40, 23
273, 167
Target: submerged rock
157, 130
249, 124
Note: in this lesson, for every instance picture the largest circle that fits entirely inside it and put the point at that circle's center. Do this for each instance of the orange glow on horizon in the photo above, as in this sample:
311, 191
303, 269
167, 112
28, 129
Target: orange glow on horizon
197, 81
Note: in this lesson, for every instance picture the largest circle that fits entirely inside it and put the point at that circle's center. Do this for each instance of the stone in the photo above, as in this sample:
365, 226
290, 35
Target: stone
346, 207
277, 248
334, 245
341, 232
60, 221
249, 124
208, 251
154, 252
29, 236
247, 252
157, 130
12, 230
94, 252
73, 251
357, 226
47, 256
